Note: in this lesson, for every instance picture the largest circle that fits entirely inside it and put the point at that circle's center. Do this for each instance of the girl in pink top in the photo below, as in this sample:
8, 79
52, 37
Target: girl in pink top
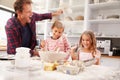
57, 41
87, 48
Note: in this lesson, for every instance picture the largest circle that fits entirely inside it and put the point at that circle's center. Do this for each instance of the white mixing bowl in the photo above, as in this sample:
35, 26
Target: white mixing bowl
52, 56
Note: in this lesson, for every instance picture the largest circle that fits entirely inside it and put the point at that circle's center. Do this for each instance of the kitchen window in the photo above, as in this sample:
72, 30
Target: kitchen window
5, 14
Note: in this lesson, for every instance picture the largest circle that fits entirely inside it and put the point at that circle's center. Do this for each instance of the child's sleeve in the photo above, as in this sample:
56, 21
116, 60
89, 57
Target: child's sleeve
46, 44
66, 44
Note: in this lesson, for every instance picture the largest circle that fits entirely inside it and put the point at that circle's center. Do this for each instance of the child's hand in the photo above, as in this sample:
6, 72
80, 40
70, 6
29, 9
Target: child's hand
57, 49
42, 44
35, 53
73, 54
72, 51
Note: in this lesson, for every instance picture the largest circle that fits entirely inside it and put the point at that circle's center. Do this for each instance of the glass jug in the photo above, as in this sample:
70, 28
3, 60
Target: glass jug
22, 57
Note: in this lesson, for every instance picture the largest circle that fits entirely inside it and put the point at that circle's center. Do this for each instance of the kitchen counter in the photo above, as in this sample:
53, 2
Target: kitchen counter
3, 52
105, 55
94, 72
3, 48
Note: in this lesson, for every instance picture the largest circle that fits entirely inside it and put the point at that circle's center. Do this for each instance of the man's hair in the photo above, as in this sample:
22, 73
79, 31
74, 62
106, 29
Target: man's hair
18, 4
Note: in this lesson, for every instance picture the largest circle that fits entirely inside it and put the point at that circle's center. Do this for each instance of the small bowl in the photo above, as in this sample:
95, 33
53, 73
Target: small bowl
68, 69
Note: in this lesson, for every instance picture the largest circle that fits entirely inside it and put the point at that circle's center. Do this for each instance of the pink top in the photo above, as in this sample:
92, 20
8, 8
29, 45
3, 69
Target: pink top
87, 56
61, 43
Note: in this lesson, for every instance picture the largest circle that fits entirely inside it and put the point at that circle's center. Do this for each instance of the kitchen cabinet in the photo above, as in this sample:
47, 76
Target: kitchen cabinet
72, 18
103, 17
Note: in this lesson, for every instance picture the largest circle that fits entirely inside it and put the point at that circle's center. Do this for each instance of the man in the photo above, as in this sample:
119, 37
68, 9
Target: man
21, 28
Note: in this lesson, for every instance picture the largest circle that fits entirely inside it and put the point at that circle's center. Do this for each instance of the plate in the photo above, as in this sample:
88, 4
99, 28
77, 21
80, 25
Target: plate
12, 68
7, 57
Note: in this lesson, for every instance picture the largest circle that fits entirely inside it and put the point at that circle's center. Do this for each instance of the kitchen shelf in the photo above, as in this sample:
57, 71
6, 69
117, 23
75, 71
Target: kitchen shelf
74, 21
96, 17
105, 21
77, 10
107, 36
81, 7
105, 5
70, 36
101, 19
73, 36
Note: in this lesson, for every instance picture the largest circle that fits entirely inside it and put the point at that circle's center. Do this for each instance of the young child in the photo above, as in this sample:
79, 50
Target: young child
58, 41
87, 48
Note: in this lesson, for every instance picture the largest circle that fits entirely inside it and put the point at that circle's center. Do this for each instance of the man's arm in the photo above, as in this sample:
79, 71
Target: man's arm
13, 40
39, 17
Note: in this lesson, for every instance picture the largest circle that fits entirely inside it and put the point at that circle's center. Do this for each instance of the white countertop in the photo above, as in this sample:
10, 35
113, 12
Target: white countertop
94, 72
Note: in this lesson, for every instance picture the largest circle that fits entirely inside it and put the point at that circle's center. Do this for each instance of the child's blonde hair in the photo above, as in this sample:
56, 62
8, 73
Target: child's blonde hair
92, 39
58, 25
